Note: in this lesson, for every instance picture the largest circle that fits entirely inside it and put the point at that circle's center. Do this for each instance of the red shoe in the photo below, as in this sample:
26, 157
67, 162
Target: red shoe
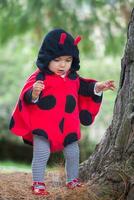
39, 188
74, 183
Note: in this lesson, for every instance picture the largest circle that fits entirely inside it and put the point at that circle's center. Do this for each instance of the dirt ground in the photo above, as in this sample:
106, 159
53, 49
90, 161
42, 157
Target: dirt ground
16, 186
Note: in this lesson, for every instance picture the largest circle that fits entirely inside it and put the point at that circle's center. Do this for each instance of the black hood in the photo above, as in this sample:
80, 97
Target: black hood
54, 45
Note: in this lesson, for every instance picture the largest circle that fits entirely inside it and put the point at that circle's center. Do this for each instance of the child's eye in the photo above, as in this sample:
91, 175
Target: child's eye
56, 60
70, 60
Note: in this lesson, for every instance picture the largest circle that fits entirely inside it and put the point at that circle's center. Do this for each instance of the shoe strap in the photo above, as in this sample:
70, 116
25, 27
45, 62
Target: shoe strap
76, 180
38, 183
73, 183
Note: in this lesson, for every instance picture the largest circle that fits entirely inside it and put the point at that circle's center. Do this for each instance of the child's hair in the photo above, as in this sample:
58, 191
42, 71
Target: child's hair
55, 44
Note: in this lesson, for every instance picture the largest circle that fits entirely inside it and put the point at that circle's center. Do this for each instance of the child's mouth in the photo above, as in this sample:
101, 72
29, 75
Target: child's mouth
61, 71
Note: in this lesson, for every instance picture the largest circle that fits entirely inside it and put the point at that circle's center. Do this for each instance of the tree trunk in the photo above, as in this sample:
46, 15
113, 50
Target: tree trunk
110, 170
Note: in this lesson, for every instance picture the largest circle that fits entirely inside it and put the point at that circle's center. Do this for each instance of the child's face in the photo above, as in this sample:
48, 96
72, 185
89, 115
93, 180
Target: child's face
60, 65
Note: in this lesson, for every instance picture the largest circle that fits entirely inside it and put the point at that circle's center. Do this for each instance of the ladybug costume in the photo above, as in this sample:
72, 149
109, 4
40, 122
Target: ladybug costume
63, 104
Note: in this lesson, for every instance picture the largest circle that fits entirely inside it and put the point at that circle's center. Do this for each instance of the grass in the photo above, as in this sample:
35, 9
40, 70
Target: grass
11, 166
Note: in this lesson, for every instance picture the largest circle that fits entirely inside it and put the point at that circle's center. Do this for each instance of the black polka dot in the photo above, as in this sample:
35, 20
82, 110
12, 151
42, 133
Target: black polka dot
86, 89
71, 137
70, 104
40, 132
72, 75
85, 117
12, 123
61, 125
47, 102
20, 105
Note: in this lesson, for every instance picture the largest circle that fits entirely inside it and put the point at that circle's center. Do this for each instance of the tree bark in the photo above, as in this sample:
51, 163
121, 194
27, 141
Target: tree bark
110, 169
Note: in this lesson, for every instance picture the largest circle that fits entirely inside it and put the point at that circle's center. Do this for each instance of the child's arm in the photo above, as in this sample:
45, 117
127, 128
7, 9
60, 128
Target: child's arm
104, 86
38, 86
90, 95
87, 88
32, 95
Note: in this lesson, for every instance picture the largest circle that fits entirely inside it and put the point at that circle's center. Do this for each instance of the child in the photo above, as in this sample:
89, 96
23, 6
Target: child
53, 103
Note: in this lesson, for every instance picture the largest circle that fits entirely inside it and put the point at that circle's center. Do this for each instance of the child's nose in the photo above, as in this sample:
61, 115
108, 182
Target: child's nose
63, 64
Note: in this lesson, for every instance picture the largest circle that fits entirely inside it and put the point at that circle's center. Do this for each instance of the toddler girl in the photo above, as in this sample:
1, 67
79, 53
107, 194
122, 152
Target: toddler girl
53, 103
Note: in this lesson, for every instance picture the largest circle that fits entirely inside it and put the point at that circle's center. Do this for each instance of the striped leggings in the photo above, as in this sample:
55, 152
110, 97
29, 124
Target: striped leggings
41, 154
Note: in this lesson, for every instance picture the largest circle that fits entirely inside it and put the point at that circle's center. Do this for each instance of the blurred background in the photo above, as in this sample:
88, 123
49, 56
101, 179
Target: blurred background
23, 24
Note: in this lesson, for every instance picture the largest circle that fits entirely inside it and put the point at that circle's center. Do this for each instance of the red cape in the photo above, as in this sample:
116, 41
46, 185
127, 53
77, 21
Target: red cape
62, 106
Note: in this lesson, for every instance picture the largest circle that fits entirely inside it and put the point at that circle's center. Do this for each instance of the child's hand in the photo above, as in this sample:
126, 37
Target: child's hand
38, 86
105, 85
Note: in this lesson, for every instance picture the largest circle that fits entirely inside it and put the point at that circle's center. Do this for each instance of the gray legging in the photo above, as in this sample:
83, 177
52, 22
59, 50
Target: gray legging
41, 153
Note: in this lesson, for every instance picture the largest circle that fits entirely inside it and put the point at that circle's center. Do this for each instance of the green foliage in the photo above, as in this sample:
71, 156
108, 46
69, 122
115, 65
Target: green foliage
79, 17
86, 146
